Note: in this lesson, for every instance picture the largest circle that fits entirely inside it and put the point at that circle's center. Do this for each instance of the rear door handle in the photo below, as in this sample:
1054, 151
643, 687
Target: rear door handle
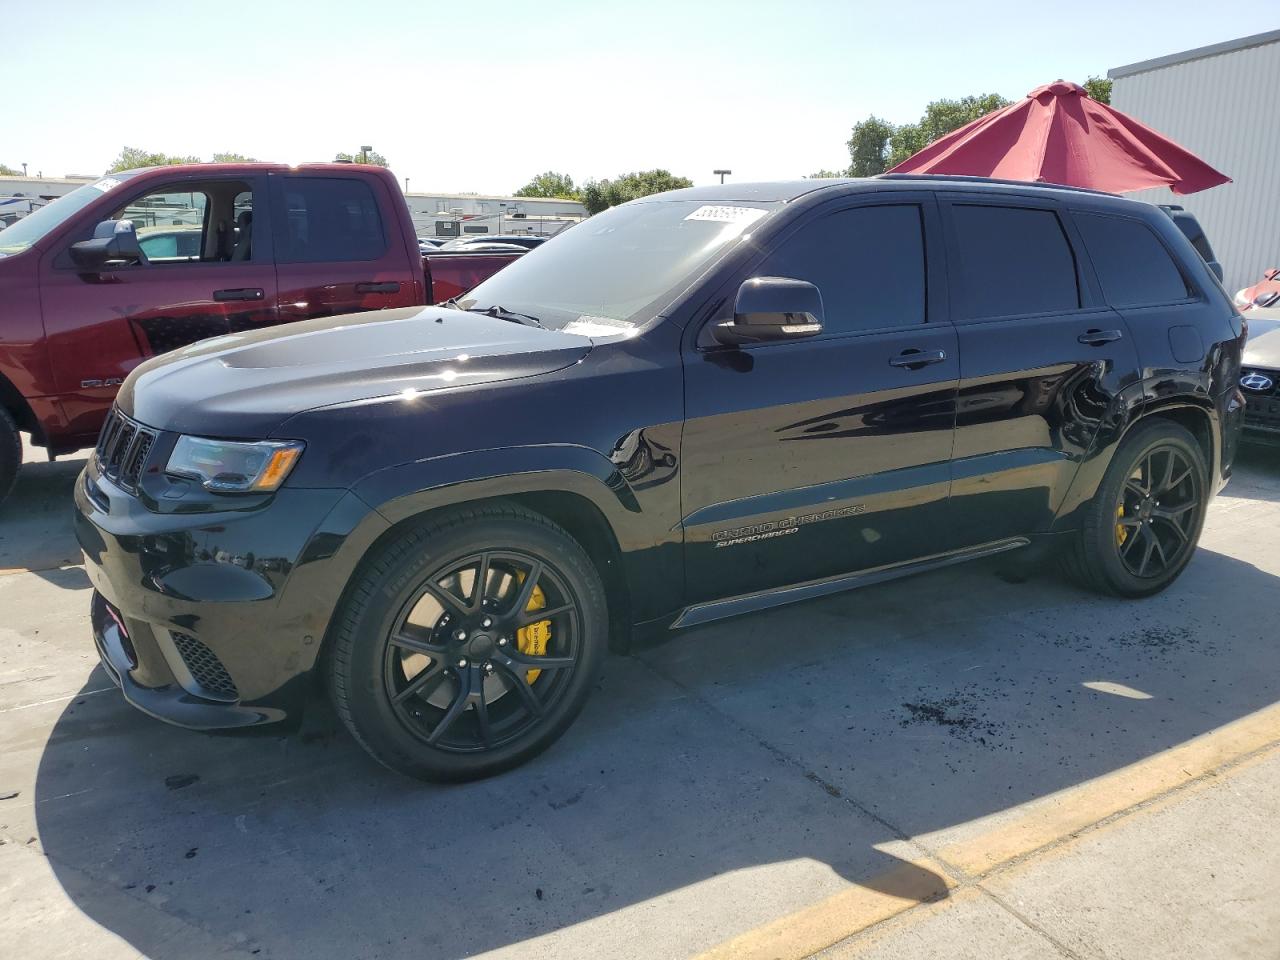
1096, 338
239, 293
390, 286
914, 359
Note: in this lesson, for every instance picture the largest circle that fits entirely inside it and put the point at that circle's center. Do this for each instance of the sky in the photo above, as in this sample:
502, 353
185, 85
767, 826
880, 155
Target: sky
480, 95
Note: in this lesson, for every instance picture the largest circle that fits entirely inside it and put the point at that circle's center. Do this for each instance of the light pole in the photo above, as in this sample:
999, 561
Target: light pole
24, 169
406, 184
364, 154
722, 174
501, 207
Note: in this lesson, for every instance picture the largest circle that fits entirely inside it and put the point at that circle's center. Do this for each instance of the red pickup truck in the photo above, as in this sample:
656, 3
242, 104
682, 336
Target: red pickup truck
145, 261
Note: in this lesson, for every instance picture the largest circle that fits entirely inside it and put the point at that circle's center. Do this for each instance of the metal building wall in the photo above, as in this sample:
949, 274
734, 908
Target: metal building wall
1223, 108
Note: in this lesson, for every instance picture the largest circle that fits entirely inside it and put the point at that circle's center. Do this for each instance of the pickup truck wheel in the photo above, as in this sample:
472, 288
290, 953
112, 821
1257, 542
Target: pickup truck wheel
10, 453
468, 644
1141, 528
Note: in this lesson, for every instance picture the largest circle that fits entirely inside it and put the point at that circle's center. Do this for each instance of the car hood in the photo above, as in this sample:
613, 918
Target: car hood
1262, 349
247, 384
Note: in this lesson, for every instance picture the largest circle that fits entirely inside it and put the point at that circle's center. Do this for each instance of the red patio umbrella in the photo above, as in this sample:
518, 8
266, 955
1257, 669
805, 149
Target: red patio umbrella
1059, 134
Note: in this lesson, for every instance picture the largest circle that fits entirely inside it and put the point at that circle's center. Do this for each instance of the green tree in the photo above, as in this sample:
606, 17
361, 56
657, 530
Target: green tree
599, 195
131, 158
869, 147
373, 156
233, 158
549, 184
8, 171
940, 118
1099, 88
826, 174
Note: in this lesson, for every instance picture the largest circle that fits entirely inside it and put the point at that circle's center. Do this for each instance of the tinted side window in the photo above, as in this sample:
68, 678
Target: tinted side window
327, 220
1013, 261
868, 262
1133, 266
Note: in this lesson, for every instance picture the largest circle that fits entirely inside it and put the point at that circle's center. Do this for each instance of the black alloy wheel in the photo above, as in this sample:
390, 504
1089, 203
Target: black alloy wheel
468, 642
482, 651
1140, 530
1158, 512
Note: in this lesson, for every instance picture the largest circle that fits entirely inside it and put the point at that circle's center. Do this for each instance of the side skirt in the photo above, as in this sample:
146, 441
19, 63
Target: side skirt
749, 603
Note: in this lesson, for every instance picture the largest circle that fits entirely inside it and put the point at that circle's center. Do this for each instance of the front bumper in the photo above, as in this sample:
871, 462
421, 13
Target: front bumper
212, 620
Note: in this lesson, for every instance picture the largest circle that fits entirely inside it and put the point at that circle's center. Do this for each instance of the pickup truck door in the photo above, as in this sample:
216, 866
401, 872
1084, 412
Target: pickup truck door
816, 457
208, 272
339, 247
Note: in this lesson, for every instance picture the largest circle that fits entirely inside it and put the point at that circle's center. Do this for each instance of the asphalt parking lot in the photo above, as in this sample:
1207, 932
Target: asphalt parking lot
956, 765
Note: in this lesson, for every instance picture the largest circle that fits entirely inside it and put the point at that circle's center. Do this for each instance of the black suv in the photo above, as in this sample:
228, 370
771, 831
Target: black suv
692, 406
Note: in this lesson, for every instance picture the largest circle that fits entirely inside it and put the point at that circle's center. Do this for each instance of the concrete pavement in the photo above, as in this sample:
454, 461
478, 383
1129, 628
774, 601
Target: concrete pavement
953, 765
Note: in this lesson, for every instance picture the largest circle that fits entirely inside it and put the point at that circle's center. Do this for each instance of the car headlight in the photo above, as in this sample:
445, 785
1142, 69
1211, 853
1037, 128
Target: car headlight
228, 466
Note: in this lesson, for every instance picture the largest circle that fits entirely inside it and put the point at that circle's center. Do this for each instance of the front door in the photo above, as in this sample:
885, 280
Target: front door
335, 251
811, 458
206, 272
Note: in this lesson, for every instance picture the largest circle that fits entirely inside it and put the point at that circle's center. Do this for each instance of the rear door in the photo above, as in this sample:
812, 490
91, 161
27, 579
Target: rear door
1042, 360
338, 248
811, 458
208, 272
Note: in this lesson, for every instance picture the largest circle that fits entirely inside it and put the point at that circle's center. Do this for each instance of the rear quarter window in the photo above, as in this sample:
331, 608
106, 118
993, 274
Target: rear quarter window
1133, 266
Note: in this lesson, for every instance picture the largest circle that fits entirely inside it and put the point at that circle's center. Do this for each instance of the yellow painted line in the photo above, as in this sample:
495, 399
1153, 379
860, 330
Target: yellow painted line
841, 915
1042, 823
1048, 820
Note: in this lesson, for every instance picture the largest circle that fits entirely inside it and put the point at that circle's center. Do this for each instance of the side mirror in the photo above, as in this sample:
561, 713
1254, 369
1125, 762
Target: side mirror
1271, 274
769, 309
114, 241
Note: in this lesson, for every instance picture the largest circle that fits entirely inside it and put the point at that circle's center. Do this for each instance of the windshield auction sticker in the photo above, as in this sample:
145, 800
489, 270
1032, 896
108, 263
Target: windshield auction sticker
106, 183
720, 213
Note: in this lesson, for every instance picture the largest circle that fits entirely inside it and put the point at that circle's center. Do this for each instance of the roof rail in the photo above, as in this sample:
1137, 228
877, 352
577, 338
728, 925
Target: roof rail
968, 178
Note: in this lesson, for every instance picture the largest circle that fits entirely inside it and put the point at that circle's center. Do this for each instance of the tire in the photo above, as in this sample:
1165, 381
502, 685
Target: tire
1120, 532
10, 454
425, 675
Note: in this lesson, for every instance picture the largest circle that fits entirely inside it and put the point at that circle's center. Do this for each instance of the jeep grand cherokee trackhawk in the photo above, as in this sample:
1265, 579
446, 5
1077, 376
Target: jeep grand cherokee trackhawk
692, 406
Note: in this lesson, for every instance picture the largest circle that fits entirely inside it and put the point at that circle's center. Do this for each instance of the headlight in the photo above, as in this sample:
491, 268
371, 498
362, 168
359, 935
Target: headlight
226, 466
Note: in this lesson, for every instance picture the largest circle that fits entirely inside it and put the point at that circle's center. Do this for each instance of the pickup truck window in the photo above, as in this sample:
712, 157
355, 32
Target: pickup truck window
28, 231
620, 265
202, 222
327, 220
868, 263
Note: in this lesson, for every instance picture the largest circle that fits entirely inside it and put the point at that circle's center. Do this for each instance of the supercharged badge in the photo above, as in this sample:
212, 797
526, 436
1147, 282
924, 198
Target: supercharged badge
780, 528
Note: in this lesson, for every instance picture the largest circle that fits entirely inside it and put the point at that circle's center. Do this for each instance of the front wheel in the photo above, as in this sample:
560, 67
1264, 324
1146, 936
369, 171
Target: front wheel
469, 643
10, 453
1143, 524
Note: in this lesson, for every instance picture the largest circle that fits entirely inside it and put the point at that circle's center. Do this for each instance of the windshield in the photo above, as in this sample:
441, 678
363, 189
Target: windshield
615, 270
24, 233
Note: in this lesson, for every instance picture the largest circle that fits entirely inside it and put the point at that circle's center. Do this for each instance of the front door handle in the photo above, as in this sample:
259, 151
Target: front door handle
1096, 338
239, 293
390, 286
914, 359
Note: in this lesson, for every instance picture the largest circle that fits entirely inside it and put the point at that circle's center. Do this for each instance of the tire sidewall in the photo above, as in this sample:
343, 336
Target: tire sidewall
1101, 529
376, 722
10, 454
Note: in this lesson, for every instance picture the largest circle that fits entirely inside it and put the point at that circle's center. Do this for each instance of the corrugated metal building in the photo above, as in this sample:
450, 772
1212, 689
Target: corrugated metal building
1219, 102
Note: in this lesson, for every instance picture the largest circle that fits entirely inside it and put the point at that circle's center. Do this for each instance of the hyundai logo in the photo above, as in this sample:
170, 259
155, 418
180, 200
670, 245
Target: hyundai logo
1256, 381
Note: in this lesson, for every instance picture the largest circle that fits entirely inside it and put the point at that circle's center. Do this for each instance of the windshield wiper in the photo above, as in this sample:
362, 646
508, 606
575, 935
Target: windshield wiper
502, 313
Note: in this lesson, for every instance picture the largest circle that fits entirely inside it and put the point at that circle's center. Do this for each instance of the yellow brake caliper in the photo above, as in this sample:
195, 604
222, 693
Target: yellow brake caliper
1121, 533
532, 640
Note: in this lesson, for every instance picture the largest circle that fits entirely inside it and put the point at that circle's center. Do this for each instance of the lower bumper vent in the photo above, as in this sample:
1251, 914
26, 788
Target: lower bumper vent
206, 669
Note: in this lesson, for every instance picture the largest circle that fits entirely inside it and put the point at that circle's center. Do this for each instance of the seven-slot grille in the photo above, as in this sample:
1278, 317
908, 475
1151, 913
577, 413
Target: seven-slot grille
1262, 407
123, 449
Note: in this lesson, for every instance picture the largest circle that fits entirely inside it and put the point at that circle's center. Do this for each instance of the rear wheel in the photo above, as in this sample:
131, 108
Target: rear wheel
1143, 524
469, 644
10, 453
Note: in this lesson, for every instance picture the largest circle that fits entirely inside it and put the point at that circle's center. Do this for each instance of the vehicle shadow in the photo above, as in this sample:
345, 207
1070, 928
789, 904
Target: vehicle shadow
35, 532
760, 762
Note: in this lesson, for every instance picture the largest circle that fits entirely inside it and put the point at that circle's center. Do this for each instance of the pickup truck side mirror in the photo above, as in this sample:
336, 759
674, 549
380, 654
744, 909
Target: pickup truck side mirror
1271, 274
769, 309
114, 241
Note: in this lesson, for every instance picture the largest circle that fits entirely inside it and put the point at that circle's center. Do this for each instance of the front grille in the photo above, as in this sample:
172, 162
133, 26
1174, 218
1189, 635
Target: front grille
123, 449
206, 669
1262, 407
